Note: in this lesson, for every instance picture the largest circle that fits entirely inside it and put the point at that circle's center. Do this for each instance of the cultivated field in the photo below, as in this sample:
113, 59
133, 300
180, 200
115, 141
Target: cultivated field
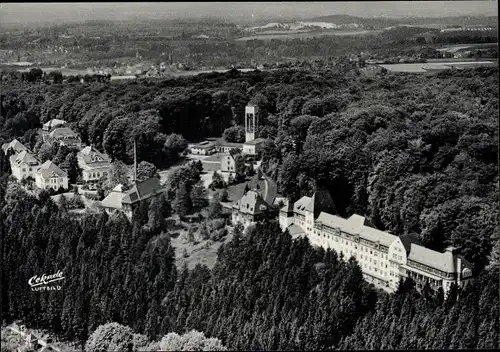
421, 67
286, 35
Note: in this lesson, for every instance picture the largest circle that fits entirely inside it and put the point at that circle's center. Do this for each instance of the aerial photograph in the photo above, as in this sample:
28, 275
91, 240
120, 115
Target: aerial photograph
249, 176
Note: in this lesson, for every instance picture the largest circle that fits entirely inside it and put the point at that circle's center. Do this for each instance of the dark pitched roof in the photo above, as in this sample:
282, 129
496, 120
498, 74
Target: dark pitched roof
142, 190
251, 203
407, 241
90, 155
23, 157
322, 201
49, 169
270, 190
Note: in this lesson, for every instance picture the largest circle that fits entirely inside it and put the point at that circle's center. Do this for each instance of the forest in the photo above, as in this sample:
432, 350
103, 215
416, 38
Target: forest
266, 292
414, 153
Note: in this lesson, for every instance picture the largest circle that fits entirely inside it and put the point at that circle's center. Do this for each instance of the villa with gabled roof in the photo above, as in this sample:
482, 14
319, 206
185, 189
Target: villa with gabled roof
65, 136
23, 165
256, 204
93, 163
127, 200
49, 175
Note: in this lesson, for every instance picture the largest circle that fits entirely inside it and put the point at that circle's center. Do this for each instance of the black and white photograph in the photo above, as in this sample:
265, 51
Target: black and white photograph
249, 176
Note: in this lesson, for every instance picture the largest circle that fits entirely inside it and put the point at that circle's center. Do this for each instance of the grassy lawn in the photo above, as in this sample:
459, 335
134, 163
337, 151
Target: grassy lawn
213, 158
88, 203
200, 252
236, 191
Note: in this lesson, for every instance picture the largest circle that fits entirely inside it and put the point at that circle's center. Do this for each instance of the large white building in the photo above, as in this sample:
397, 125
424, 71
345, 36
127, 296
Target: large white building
383, 257
23, 165
49, 175
93, 163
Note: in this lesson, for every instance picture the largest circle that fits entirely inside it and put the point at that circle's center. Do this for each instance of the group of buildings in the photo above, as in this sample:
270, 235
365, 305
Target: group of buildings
251, 147
383, 257
25, 165
229, 151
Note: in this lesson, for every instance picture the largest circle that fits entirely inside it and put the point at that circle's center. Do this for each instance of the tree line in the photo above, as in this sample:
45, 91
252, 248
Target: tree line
266, 291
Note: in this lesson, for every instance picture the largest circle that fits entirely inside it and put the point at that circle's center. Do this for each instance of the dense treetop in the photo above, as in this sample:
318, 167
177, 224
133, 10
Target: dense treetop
414, 153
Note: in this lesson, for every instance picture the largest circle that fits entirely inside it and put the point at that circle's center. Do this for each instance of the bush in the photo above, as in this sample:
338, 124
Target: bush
191, 341
76, 202
92, 196
218, 234
215, 224
110, 337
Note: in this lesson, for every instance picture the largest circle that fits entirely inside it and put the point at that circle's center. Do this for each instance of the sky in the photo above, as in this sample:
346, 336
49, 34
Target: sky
238, 11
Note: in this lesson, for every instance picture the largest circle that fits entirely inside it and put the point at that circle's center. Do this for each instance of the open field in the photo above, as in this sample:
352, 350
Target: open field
203, 252
294, 35
420, 67
64, 71
458, 47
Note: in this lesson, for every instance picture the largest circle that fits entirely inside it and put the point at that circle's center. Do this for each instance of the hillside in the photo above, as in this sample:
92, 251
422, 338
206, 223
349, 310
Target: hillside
382, 22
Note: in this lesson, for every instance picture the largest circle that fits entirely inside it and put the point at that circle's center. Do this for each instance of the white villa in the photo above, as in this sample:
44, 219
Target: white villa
65, 136
383, 257
93, 163
23, 165
49, 175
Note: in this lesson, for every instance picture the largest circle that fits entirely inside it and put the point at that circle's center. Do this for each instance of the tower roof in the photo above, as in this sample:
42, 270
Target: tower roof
321, 201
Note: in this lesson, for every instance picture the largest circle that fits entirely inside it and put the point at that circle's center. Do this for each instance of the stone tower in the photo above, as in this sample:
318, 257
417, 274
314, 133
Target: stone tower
251, 122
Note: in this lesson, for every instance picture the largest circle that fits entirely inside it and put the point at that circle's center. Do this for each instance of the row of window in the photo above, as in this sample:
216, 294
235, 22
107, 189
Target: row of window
351, 237
97, 174
397, 257
422, 279
431, 270
353, 244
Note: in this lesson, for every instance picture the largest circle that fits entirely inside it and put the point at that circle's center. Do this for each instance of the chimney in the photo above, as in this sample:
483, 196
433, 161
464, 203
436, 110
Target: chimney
451, 249
135, 163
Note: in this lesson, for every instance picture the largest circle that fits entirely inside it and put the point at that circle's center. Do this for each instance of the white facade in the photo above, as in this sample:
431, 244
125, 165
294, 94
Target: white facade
383, 257
49, 175
54, 182
228, 164
95, 174
93, 163
23, 165
251, 123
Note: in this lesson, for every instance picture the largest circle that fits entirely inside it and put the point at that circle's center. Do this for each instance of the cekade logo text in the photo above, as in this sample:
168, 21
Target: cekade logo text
46, 282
